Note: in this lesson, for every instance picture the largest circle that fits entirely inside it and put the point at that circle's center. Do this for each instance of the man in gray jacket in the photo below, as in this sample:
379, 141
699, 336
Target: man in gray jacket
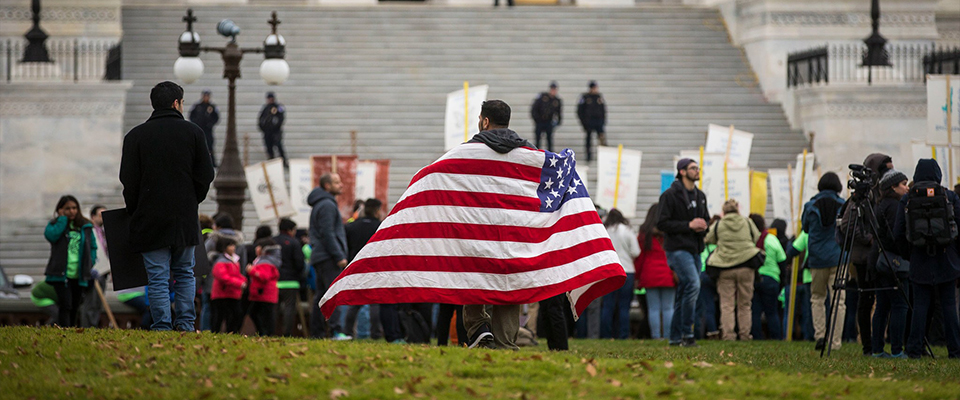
328, 241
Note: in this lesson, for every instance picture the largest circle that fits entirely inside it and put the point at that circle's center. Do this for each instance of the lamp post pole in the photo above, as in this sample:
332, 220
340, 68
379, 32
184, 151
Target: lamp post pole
231, 181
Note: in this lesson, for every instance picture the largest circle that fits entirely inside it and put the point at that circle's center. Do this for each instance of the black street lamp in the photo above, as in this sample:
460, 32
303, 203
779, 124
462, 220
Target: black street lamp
36, 50
231, 182
876, 55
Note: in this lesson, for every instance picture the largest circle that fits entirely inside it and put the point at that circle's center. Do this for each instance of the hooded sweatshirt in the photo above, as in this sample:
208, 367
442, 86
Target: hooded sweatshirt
820, 222
501, 140
736, 239
942, 265
264, 275
327, 236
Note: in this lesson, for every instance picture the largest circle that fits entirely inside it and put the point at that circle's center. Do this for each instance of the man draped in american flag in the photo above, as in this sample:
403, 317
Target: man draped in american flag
492, 224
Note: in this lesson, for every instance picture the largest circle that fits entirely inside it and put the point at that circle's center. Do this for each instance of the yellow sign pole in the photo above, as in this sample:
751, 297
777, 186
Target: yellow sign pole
796, 261
466, 111
616, 187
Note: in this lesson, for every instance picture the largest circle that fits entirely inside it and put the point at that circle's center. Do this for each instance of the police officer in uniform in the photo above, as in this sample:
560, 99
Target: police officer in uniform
271, 124
547, 114
592, 112
205, 114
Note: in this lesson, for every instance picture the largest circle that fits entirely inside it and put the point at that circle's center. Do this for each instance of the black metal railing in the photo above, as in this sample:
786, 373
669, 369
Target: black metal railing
942, 62
841, 63
77, 60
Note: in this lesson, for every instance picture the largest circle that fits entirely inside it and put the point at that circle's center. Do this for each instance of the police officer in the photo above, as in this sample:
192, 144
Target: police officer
271, 124
205, 114
592, 112
547, 113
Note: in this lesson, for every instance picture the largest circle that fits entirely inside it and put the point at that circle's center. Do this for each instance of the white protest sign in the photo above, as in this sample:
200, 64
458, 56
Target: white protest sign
780, 193
611, 192
937, 109
738, 188
803, 192
453, 124
711, 178
301, 184
939, 153
268, 190
366, 180
721, 139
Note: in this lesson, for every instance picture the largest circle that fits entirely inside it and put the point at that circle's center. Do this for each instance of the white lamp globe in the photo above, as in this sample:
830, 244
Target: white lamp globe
188, 69
274, 71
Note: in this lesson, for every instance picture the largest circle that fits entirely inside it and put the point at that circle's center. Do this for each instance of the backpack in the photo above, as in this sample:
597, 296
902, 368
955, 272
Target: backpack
929, 216
415, 328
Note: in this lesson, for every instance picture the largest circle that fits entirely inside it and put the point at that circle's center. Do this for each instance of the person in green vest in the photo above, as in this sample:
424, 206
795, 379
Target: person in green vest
767, 289
73, 252
44, 296
798, 247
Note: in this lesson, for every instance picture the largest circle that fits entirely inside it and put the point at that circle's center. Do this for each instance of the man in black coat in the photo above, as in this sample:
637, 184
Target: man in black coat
683, 220
328, 241
592, 111
205, 114
547, 114
166, 172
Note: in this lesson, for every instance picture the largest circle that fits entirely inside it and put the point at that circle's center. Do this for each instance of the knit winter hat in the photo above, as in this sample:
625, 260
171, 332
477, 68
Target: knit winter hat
891, 178
830, 181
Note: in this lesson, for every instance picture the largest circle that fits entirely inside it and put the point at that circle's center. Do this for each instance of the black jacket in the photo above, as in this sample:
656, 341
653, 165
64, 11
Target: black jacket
292, 266
327, 237
944, 264
271, 118
677, 209
359, 233
166, 172
547, 109
501, 140
886, 211
592, 109
205, 115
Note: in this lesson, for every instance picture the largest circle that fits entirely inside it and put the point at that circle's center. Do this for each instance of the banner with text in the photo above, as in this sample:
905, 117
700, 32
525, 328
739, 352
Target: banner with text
453, 123
780, 195
625, 189
268, 190
721, 139
937, 109
301, 184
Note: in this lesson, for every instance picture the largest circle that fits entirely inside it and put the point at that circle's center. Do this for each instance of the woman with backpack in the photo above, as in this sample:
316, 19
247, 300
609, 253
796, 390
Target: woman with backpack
654, 275
73, 252
891, 306
734, 263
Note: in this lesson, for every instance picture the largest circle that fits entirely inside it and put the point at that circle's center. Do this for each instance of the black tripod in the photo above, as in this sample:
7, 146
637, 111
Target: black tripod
864, 214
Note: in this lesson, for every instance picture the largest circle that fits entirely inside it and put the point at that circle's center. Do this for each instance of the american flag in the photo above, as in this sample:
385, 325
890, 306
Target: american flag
480, 227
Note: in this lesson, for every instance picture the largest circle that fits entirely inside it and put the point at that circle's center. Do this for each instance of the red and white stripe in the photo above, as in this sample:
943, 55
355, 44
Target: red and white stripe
469, 230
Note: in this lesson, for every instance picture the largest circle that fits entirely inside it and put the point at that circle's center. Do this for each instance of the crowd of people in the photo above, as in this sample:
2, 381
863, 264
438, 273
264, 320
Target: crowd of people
882, 265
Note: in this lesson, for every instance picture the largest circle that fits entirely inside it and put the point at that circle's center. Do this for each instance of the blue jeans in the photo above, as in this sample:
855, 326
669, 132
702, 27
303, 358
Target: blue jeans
617, 301
687, 267
706, 320
205, 312
161, 265
890, 304
765, 302
922, 299
660, 305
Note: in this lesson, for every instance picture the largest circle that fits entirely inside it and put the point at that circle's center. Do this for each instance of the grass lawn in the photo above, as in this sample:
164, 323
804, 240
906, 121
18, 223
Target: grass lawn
51, 363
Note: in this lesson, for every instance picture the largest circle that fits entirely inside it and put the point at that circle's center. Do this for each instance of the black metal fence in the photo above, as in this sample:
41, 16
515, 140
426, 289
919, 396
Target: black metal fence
77, 60
942, 62
841, 63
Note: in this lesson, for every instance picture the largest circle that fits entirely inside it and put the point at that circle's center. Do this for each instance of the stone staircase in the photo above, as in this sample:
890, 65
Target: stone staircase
384, 72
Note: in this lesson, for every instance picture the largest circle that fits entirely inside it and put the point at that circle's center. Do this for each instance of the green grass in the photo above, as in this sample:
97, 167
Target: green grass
52, 363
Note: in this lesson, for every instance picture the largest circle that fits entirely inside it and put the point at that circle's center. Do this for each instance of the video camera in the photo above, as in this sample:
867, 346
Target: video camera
862, 180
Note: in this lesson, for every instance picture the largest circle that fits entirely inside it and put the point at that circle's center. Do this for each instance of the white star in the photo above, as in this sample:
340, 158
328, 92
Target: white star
576, 183
554, 193
566, 161
553, 162
548, 184
560, 184
560, 173
568, 170
572, 190
549, 203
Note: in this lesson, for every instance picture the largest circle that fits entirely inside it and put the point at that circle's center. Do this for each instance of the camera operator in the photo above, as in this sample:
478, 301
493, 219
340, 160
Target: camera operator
890, 303
864, 181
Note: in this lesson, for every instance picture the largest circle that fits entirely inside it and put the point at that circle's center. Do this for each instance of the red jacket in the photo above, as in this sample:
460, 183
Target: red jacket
227, 280
652, 268
264, 276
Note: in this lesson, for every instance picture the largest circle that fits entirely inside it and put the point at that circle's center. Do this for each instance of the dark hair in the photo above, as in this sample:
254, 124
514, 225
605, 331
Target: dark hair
205, 221
371, 206
781, 227
286, 224
497, 112
759, 222
223, 242
93, 210
614, 217
649, 228
223, 221
79, 220
264, 242
164, 94
714, 220
263, 231
326, 179
357, 204
830, 181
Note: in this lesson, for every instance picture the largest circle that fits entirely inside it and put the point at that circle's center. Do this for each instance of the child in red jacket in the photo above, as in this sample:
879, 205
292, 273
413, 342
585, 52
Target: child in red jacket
264, 274
228, 285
